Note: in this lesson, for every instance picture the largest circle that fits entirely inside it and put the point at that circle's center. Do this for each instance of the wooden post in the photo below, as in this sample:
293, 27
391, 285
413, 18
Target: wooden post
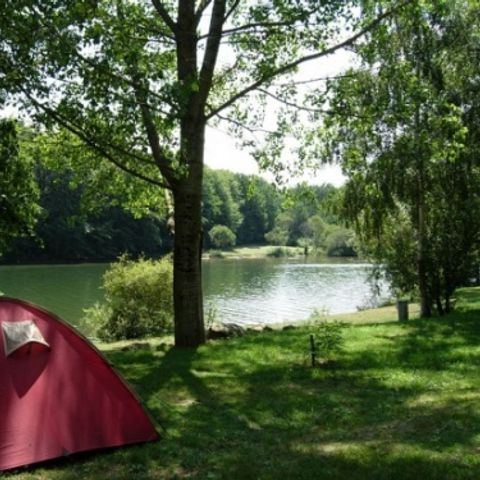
313, 350
402, 308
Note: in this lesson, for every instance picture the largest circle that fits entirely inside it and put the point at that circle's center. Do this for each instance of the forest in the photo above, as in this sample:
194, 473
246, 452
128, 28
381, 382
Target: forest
71, 228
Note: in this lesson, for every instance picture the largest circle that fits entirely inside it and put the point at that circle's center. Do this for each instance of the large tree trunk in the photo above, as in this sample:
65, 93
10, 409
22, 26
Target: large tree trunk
187, 269
187, 257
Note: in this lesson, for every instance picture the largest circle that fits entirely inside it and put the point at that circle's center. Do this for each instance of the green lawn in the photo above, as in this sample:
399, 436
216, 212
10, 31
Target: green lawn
253, 251
403, 403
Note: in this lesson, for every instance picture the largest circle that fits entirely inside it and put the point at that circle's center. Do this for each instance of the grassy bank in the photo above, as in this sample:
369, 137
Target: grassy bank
403, 403
254, 251
265, 251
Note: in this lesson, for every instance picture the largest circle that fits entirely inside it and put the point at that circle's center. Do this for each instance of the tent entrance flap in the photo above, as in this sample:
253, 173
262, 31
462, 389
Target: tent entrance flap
18, 334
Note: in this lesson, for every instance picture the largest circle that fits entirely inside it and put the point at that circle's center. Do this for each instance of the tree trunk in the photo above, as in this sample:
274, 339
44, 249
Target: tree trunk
187, 269
440, 308
425, 302
187, 256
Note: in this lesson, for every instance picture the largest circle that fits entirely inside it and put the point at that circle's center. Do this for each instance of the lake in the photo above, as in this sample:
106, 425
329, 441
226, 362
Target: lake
244, 291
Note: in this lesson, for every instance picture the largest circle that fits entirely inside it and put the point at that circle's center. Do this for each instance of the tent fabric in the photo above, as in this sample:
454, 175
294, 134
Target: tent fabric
63, 399
18, 334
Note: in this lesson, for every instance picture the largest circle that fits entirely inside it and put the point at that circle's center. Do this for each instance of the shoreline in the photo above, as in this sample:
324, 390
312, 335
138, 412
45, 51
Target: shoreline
273, 252
371, 316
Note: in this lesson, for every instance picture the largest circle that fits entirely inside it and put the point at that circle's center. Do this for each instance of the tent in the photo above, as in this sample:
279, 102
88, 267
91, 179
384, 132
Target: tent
58, 394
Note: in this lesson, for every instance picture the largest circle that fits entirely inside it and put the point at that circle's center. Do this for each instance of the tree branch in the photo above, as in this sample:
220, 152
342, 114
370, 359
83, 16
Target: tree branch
122, 78
161, 10
309, 109
250, 26
251, 130
255, 25
232, 9
211, 52
201, 8
153, 138
314, 80
291, 104
78, 132
313, 56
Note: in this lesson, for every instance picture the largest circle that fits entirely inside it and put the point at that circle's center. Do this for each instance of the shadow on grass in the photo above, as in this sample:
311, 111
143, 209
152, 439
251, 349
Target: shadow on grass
407, 408
290, 421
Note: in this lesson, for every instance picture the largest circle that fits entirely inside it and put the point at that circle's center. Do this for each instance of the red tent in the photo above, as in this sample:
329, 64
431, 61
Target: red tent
58, 394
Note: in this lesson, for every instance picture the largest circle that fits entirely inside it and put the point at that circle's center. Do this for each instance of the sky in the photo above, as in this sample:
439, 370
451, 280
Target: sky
222, 153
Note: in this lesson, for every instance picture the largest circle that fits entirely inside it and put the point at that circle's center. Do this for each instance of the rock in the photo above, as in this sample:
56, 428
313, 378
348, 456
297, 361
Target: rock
255, 328
224, 330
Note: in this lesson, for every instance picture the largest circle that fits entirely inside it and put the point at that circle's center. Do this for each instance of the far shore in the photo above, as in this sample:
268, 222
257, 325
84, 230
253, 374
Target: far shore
272, 251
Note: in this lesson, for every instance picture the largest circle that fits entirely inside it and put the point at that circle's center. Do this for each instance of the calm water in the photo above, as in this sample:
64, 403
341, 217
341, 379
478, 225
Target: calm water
242, 291
64, 289
271, 291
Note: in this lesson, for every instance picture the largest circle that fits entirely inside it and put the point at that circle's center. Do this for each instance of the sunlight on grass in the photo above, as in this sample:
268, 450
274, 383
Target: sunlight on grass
403, 403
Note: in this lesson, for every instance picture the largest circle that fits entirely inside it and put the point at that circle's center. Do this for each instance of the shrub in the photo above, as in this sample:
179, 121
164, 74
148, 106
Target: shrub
138, 300
277, 252
329, 337
339, 243
222, 237
277, 236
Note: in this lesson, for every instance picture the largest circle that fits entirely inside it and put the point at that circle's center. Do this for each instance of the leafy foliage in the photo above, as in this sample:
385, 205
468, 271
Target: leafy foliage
80, 224
71, 230
18, 189
137, 83
329, 337
138, 300
339, 243
306, 220
409, 147
222, 237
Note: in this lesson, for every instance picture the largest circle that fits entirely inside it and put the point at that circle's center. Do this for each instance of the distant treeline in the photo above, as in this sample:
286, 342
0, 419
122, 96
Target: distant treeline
253, 211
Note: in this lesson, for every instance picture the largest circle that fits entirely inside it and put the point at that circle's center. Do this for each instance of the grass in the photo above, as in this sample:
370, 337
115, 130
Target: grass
268, 251
253, 251
403, 403
377, 315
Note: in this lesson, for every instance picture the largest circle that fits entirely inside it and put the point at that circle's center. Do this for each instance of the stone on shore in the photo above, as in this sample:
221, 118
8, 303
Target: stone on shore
224, 330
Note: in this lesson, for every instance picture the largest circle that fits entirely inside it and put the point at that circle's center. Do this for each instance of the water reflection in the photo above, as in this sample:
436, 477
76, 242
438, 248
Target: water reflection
270, 291
64, 289
243, 291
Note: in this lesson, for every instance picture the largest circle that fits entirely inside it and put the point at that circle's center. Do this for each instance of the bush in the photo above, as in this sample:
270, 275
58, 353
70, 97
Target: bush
339, 243
329, 338
277, 236
222, 237
277, 252
138, 300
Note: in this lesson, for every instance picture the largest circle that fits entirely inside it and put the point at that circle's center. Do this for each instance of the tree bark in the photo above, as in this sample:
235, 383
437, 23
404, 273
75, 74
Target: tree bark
187, 270
187, 257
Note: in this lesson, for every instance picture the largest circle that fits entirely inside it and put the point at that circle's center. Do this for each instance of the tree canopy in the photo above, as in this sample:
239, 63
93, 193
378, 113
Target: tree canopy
18, 189
409, 147
137, 83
